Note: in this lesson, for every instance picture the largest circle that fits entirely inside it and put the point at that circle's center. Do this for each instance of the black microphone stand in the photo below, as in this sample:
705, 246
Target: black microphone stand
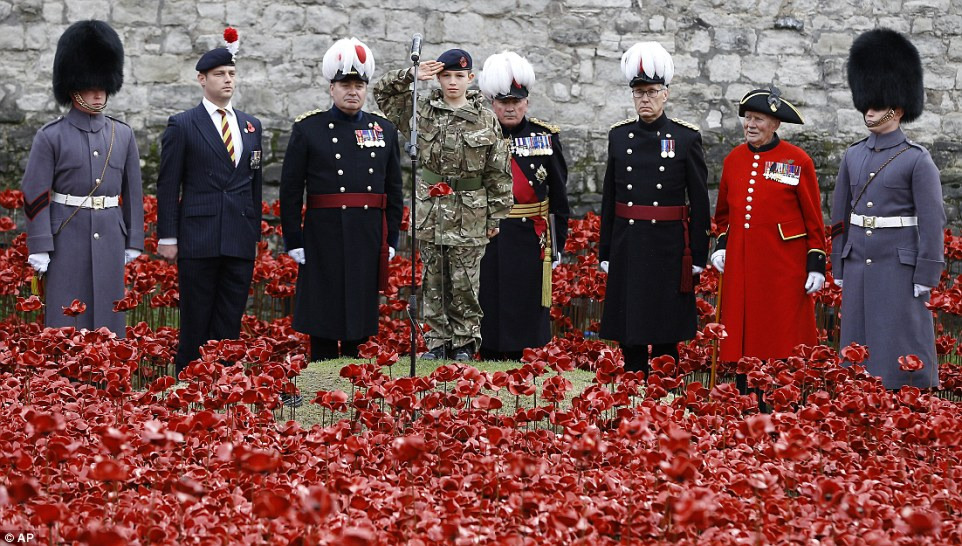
412, 149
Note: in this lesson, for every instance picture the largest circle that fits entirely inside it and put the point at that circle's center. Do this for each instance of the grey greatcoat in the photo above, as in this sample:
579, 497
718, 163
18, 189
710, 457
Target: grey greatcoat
87, 256
879, 266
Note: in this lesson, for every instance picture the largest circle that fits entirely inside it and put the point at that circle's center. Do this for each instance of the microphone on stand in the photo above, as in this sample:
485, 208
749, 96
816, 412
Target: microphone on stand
416, 47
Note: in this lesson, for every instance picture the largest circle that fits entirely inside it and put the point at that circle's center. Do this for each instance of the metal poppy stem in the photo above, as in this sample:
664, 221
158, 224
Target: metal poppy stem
714, 347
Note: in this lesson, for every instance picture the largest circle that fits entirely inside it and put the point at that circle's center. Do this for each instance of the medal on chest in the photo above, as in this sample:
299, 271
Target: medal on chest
783, 173
667, 147
533, 145
370, 138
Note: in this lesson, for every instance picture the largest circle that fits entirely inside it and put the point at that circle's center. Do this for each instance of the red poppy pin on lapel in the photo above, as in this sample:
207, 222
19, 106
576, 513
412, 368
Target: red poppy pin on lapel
250, 128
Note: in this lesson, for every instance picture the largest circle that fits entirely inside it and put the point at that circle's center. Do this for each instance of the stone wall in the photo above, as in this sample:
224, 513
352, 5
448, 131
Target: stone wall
721, 50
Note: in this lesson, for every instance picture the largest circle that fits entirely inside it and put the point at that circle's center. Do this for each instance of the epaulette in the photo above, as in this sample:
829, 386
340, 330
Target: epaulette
306, 115
51, 122
551, 127
858, 142
624, 122
118, 120
684, 123
914, 144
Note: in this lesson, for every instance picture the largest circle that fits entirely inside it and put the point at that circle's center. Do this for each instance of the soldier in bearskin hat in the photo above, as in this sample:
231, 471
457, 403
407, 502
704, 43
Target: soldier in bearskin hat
515, 289
655, 217
348, 162
887, 216
82, 186
771, 247
209, 204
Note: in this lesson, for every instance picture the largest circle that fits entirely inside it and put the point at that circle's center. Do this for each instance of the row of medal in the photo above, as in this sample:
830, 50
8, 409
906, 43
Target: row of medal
533, 145
784, 173
370, 138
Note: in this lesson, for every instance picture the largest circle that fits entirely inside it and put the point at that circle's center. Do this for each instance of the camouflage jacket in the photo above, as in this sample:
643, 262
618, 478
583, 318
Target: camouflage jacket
461, 143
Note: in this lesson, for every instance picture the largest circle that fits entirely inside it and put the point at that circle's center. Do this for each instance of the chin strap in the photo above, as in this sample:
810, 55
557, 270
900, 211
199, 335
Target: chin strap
83, 104
888, 115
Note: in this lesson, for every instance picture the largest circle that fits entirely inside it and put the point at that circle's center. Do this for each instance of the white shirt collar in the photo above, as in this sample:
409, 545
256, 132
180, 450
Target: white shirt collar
212, 108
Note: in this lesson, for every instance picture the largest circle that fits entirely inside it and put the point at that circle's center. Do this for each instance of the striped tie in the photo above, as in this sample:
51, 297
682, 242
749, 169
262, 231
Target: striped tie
226, 134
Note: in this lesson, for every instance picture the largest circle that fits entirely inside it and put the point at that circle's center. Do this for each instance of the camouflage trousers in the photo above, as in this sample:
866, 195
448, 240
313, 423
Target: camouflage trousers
450, 292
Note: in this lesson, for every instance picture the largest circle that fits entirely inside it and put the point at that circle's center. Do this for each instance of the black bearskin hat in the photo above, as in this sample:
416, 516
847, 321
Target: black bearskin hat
885, 71
89, 56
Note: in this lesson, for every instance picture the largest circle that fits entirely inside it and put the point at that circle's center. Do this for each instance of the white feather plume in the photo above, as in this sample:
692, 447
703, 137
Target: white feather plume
343, 57
651, 56
501, 71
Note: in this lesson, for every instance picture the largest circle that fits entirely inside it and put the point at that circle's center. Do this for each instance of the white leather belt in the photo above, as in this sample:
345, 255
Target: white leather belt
876, 222
86, 202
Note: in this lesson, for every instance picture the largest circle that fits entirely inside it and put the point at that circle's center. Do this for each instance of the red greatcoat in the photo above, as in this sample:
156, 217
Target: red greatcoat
770, 208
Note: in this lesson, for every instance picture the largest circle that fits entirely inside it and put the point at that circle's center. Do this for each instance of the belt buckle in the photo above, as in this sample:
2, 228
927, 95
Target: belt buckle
97, 202
868, 222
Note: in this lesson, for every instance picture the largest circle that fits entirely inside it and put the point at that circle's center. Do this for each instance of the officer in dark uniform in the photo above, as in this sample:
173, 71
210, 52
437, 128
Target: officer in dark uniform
655, 217
349, 162
515, 290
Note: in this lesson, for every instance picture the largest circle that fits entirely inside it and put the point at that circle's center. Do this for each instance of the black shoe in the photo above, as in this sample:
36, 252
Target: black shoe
292, 400
436, 353
464, 353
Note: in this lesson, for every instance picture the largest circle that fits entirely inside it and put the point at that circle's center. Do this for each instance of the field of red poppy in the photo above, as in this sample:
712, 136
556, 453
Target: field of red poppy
99, 445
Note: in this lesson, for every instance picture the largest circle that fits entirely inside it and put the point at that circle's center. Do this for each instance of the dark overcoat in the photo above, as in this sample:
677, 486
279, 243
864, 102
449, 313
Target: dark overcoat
880, 266
512, 266
644, 303
87, 255
337, 287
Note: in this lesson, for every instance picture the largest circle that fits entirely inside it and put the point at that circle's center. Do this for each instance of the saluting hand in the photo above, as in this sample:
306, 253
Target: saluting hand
429, 69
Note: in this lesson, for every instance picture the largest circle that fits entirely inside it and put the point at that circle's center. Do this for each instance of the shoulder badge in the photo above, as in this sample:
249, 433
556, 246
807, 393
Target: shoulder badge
52, 122
857, 142
549, 126
684, 123
306, 115
118, 120
624, 122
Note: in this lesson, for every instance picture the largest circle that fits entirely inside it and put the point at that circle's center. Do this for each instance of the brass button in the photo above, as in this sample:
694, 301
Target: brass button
629, 168
340, 172
531, 182
749, 198
97, 181
747, 225
868, 261
365, 207
631, 222
631, 135
369, 188
371, 171
748, 216
630, 204
754, 165
334, 140
870, 204
751, 190
330, 125
343, 207
342, 189
524, 219
868, 233
752, 182
96, 235
749, 207
629, 151
96, 153
661, 168
658, 186
754, 173
654, 221
655, 204
373, 154
337, 156
629, 186
757, 156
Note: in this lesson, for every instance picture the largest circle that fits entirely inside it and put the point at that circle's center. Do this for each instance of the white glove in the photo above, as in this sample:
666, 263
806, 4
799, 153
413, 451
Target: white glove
39, 261
557, 260
390, 253
814, 282
130, 254
838, 282
604, 266
718, 260
298, 255
920, 289
695, 270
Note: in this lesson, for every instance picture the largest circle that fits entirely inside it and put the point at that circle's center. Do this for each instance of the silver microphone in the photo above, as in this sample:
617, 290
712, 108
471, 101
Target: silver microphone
416, 47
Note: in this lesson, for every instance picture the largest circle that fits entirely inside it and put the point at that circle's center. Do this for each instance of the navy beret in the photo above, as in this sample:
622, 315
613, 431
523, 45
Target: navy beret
214, 58
455, 59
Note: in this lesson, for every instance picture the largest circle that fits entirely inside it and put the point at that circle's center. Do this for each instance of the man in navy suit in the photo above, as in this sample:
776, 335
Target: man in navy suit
209, 205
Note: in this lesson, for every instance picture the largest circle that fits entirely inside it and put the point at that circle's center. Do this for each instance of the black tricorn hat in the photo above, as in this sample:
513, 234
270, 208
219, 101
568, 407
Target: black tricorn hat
885, 71
89, 56
769, 101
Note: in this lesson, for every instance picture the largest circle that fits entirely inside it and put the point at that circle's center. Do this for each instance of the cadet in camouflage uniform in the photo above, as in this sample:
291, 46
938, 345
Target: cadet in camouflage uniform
460, 148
